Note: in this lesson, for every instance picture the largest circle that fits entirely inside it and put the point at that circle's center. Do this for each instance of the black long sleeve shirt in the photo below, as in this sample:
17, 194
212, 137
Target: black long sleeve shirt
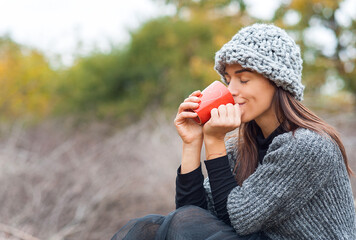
189, 186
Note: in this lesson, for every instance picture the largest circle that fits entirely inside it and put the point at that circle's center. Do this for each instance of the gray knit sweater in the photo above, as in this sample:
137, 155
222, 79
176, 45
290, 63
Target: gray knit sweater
301, 191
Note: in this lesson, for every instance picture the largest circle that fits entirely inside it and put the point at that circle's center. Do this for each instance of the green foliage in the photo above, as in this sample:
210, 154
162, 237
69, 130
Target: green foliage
170, 57
166, 59
159, 68
322, 13
25, 80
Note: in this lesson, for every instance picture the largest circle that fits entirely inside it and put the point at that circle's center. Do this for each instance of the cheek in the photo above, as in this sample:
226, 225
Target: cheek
264, 101
248, 112
264, 95
258, 103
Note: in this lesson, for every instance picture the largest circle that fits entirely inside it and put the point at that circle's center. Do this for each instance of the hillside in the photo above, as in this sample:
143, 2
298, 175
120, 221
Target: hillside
84, 182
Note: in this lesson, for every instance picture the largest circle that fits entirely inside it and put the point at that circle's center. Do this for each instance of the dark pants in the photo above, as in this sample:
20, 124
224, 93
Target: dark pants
188, 222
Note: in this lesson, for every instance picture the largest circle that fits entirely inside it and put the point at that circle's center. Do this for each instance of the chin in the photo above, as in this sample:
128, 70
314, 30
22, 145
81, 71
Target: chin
244, 119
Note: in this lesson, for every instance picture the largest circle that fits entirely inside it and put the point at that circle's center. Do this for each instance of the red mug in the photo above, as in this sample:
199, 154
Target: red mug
213, 96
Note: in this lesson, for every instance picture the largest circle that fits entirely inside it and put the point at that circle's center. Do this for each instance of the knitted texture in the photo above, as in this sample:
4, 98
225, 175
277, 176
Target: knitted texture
268, 50
301, 191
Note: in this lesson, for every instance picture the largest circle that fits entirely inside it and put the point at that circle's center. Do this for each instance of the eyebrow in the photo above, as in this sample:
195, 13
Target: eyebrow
240, 71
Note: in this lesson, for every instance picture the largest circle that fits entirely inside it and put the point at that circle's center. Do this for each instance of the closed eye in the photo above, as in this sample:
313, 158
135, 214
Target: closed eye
244, 82
227, 78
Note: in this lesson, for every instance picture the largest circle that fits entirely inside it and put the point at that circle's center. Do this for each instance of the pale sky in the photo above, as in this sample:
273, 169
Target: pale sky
56, 26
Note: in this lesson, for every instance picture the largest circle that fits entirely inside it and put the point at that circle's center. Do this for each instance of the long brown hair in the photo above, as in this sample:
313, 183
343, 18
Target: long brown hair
291, 114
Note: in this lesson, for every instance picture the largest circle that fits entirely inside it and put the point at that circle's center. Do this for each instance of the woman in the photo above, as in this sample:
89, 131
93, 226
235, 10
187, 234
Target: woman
284, 176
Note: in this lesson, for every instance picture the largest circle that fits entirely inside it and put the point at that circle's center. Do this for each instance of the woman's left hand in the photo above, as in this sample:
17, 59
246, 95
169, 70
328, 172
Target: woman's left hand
223, 120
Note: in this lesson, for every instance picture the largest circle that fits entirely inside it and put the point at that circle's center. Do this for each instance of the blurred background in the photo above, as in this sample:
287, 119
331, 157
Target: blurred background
89, 90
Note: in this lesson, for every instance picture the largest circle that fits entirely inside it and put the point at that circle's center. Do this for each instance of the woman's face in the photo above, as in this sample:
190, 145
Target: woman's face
253, 92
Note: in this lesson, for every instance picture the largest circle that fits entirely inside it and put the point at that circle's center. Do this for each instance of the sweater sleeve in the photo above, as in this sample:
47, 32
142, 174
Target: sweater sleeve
294, 169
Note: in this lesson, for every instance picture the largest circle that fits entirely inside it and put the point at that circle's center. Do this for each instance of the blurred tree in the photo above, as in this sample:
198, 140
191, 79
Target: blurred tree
329, 58
302, 18
25, 80
206, 4
334, 56
167, 59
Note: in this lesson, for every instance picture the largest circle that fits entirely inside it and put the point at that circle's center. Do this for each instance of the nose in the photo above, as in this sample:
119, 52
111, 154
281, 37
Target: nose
233, 88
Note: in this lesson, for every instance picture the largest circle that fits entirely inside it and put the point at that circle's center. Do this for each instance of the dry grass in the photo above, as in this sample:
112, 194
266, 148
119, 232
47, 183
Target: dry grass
60, 182
85, 183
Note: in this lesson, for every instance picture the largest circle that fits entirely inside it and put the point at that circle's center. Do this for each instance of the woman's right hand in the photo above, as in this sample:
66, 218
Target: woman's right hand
189, 130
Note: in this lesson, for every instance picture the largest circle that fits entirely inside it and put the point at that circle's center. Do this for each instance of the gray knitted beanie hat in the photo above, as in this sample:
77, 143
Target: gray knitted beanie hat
268, 50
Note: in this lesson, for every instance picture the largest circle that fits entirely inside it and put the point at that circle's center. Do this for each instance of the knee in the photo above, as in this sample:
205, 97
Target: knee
190, 210
188, 214
190, 221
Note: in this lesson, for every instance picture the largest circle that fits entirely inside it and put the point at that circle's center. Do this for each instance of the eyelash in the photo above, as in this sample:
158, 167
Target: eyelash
242, 82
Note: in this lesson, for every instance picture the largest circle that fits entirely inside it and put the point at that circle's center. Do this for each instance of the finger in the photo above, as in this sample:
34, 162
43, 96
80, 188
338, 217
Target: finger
237, 109
184, 115
187, 106
222, 111
237, 114
214, 113
196, 93
230, 112
193, 99
181, 117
